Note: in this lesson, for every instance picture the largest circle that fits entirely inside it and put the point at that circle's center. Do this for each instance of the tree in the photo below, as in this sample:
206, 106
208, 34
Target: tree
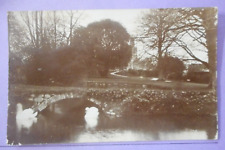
16, 44
179, 27
107, 44
34, 38
34, 25
209, 17
16, 41
202, 28
73, 21
70, 66
160, 28
83, 43
62, 67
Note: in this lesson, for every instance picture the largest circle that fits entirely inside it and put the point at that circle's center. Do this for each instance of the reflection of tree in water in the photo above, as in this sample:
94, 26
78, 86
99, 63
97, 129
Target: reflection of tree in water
57, 126
68, 123
13, 135
54, 129
203, 122
155, 124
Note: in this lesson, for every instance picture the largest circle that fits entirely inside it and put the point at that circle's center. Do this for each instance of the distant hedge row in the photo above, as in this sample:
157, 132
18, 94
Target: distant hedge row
198, 77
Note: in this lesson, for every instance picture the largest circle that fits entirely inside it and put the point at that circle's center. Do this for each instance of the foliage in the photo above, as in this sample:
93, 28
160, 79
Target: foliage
198, 73
16, 40
16, 69
94, 50
59, 67
166, 28
106, 43
198, 77
172, 67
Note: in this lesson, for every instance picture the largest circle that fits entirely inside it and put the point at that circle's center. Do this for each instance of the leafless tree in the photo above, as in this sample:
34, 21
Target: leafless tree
167, 28
34, 25
160, 28
204, 33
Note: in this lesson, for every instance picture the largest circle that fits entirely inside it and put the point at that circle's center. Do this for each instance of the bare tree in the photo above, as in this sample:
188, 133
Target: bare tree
204, 33
160, 29
16, 41
168, 28
53, 22
74, 17
34, 25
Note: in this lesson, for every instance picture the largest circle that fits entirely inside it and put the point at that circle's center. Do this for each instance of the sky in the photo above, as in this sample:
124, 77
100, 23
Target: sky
130, 19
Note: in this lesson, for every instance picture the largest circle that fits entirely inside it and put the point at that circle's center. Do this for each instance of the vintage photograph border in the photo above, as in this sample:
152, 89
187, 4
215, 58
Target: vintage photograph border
16, 5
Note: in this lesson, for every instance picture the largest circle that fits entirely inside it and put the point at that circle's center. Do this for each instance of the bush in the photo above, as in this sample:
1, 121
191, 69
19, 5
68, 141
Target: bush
62, 67
173, 67
199, 77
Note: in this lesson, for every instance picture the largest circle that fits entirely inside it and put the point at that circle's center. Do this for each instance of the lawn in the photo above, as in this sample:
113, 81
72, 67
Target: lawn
134, 96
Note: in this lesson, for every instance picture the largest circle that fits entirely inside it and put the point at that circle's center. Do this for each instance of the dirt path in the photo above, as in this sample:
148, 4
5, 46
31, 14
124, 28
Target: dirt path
149, 83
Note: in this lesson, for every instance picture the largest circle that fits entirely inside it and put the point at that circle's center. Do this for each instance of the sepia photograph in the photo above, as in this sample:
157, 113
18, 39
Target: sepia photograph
119, 75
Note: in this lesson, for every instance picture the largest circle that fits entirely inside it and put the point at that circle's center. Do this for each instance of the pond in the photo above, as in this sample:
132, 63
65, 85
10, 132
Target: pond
66, 123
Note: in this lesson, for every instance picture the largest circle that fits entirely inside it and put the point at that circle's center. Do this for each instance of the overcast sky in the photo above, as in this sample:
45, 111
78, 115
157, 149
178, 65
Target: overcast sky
130, 19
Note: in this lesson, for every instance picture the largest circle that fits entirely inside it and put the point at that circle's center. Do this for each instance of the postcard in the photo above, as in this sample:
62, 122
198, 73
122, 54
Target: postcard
86, 76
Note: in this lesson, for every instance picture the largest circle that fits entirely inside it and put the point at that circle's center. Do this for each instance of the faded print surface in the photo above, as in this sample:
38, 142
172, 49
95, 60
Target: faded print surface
112, 75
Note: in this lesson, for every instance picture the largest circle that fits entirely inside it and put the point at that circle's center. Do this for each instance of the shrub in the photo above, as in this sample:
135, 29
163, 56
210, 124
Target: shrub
173, 67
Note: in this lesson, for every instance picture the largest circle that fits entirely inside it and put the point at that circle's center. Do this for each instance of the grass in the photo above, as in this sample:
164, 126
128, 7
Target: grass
135, 95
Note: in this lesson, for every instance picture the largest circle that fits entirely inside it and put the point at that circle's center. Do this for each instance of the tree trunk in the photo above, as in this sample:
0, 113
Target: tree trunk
211, 38
41, 29
211, 44
37, 30
71, 28
160, 66
55, 29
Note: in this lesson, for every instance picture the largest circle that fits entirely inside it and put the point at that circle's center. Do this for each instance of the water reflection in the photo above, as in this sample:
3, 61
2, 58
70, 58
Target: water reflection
112, 136
25, 118
64, 122
91, 117
186, 134
130, 135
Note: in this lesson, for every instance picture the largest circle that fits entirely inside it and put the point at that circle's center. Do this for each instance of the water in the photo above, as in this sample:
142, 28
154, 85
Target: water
65, 123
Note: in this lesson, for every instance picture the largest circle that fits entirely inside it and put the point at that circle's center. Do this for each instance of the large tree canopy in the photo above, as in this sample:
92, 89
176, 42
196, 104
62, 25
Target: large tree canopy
106, 43
93, 51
